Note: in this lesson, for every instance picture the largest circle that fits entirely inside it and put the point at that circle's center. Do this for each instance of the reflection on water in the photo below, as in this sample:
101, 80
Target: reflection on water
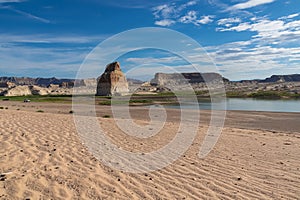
244, 104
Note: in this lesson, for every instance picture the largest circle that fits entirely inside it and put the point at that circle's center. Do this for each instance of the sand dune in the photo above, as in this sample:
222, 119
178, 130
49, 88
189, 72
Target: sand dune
41, 157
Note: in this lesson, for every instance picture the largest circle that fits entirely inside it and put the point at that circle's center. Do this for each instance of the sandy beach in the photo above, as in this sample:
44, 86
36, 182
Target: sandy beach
42, 157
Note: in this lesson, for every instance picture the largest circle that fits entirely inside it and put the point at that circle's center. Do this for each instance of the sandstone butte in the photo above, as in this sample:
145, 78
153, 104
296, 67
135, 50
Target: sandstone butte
112, 82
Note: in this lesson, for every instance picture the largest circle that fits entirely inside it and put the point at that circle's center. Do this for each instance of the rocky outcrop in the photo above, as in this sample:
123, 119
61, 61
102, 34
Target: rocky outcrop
185, 78
112, 81
25, 90
67, 84
22, 90
90, 82
37, 90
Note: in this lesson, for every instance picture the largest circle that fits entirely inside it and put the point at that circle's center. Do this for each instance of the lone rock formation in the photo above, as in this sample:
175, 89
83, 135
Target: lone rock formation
112, 81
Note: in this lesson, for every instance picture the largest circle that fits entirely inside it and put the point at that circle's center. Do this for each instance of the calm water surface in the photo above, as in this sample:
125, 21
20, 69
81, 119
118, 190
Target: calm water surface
246, 104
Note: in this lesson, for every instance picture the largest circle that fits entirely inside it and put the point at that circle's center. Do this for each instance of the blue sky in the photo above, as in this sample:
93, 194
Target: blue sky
246, 39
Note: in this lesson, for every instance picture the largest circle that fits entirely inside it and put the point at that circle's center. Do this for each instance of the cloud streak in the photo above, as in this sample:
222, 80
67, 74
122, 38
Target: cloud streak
165, 22
11, 1
31, 16
249, 4
49, 39
59, 56
28, 15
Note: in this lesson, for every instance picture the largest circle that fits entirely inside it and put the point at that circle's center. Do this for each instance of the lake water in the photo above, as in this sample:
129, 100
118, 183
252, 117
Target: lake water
246, 104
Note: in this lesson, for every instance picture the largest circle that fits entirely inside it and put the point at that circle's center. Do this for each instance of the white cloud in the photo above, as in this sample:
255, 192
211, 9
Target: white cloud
169, 14
225, 21
164, 22
164, 11
205, 19
184, 6
283, 30
191, 17
191, 3
267, 26
240, 27
249, 4
249, 59
291, 16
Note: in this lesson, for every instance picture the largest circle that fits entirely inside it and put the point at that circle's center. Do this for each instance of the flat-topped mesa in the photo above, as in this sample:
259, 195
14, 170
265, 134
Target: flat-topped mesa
112, 82
177, 79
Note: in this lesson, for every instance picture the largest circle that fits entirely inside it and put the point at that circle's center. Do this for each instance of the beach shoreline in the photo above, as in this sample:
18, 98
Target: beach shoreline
254, 120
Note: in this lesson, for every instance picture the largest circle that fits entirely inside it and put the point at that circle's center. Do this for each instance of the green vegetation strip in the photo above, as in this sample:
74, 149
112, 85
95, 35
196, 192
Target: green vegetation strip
263, 95
163, 97
39, 98
273, 94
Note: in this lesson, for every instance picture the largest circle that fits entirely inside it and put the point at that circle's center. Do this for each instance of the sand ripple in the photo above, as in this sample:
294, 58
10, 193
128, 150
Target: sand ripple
41, 157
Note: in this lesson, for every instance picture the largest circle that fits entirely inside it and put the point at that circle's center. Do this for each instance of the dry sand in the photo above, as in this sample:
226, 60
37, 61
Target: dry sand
41, 157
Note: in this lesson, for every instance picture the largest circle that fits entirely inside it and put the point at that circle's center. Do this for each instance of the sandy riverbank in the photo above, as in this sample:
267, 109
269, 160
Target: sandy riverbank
41, 157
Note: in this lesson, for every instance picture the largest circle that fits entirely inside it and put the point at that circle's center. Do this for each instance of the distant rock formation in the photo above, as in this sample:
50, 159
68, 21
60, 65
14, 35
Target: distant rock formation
282, 78
24, 90
185, 78
18, 80
112, 81
43, 82
275, 79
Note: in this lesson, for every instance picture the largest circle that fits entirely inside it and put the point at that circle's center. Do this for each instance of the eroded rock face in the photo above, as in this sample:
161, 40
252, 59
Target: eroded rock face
18, 91
112, 81
36, 90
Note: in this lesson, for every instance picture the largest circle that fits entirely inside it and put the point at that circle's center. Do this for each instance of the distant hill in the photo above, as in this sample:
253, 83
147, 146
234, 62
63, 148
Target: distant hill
277, 79
282, 78
43, 82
